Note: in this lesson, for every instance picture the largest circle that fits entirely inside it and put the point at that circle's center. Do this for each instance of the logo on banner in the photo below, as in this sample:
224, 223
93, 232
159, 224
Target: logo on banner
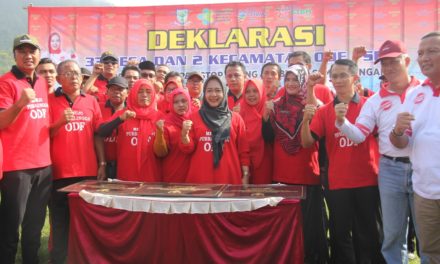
206, 17
182, 16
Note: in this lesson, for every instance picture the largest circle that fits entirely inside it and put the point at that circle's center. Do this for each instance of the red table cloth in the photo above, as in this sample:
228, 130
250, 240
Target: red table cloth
105, 235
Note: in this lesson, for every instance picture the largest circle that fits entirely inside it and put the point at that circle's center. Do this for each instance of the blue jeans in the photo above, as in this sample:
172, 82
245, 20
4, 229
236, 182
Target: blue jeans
397, 201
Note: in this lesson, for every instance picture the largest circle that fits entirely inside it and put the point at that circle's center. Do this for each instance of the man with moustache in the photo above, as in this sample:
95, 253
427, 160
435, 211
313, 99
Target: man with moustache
27, 181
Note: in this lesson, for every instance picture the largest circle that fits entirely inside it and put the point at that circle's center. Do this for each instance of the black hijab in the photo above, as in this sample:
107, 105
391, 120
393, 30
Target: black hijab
217, 119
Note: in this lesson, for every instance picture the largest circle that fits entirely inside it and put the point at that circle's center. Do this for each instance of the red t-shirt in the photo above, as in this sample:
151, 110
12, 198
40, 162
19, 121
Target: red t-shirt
300, 168
322, 92
1, 160
110, 141
132, 139
232, 101
26, 140
176, 164
350, 165
235, 153
72, 147
101, 83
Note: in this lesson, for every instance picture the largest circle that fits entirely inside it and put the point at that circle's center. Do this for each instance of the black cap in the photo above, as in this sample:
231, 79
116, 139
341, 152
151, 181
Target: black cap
108, 55
118, 81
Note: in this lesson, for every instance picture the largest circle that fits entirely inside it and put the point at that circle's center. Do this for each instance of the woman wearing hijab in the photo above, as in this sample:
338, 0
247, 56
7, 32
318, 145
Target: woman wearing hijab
54, 49
135, 135
295, 165
165, 105
216, 137
175, 163
252, 111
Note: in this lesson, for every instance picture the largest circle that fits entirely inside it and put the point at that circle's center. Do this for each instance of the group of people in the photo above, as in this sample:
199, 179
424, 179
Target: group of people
371, 156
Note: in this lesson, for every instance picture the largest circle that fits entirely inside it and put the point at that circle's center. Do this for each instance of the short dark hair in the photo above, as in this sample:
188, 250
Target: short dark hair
352, 66
172, 74
147, 65
47, 61
236, 64
298, 53
271, 64
432, 34
130, 68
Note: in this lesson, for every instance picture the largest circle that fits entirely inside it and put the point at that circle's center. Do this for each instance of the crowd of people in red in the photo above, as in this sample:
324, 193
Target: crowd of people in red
370, 157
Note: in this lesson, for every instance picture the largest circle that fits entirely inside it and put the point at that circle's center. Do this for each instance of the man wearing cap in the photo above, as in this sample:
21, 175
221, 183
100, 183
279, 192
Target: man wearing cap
117, 92
194, 84
395, 184
85, 76
418, 127
48, 70
77, 152
103, 71
24, 124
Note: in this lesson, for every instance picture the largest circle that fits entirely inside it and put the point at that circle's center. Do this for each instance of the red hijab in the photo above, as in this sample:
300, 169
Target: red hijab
142, 112
51, 50
173, 118
166, 104
252, 116
146, 116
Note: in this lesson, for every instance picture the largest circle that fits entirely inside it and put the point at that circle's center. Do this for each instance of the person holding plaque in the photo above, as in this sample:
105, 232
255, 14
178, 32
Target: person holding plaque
216, 137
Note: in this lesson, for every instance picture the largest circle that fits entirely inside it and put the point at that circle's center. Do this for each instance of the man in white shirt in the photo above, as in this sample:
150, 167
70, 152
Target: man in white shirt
418, 127
395, 183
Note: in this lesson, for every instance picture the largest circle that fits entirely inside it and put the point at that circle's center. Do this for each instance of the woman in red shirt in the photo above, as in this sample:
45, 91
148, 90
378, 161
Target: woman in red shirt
175, 163
165, 104
295, 165
216, 137
252, 111
135, 135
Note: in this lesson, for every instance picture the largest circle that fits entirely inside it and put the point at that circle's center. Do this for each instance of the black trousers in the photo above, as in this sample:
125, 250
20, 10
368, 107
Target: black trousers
60, 219
355, 225
25, 194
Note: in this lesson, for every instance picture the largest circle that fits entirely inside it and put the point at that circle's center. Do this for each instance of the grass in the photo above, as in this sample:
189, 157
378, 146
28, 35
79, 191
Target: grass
44, 251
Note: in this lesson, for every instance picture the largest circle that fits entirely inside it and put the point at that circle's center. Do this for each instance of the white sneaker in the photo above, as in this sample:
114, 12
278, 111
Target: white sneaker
411, 256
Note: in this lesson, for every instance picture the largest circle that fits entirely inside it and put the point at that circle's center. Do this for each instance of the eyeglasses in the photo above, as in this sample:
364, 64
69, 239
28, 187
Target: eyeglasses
71, 74
148, 75
341, 76
195, 81
110, 62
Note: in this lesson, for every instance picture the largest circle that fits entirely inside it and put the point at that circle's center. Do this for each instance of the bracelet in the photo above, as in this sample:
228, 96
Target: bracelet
102, 163
393, 132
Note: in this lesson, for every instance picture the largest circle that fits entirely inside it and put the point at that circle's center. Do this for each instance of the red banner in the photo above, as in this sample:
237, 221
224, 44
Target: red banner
207, 37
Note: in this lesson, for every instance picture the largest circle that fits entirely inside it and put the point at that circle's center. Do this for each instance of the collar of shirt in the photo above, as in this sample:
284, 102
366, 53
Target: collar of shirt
20, 75
355, 99
435, 90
